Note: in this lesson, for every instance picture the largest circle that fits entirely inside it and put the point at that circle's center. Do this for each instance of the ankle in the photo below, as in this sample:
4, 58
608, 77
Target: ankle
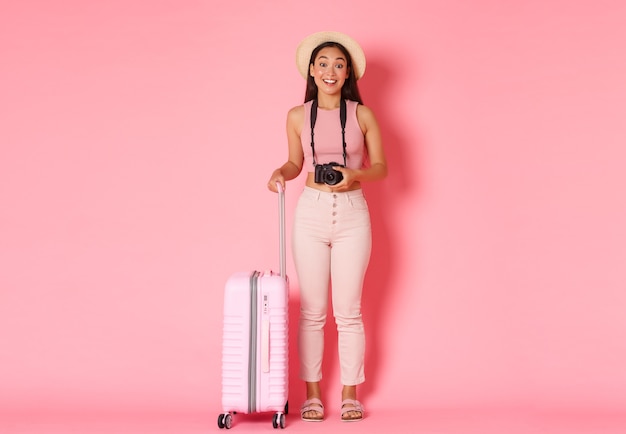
313, 390
348, 392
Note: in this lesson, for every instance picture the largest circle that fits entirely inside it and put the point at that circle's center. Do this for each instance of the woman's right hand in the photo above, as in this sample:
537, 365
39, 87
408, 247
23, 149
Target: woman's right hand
277, 177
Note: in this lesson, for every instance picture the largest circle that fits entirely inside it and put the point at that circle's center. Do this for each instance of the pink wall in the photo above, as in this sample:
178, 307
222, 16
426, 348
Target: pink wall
136, 139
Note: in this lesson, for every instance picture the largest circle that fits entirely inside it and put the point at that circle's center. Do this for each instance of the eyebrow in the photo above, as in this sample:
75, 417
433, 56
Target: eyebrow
326, 57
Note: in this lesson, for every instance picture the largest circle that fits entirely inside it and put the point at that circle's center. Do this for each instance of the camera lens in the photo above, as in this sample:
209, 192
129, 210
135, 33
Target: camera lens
332, 177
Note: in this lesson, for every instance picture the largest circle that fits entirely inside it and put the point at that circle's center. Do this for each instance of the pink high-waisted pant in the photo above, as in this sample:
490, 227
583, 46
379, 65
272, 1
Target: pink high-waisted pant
331, 244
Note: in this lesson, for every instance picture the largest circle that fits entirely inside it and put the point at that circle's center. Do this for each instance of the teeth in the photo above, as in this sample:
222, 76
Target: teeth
330, 81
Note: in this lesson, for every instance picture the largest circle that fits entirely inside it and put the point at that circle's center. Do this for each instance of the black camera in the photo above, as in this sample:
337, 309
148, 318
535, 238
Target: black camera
325, 174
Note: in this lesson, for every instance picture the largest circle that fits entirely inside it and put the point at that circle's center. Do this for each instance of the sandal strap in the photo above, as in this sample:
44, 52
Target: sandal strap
348, 405
313, 404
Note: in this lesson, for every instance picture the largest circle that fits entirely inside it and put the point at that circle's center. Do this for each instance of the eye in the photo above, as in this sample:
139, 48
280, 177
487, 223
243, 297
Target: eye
339, 66
323, 64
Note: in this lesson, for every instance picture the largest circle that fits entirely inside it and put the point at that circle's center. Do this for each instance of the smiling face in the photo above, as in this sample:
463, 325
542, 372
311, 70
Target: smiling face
329, 70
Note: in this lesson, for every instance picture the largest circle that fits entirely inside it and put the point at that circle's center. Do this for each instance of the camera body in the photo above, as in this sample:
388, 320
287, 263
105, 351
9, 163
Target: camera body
325, 174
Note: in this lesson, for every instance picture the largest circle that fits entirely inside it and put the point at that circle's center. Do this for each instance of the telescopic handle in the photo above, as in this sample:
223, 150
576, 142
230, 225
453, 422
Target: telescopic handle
281, 230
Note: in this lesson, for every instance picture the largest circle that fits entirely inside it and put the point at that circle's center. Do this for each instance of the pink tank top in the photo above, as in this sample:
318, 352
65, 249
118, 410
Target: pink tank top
328, 144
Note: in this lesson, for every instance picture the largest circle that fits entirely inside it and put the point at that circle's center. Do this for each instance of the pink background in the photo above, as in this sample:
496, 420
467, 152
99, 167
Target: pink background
136, 138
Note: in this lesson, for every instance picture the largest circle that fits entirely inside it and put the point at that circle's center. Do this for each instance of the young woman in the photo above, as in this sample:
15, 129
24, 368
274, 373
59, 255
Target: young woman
331, 240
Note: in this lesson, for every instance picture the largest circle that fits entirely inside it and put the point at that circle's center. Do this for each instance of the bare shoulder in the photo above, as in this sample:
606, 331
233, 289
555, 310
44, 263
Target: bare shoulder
296, 113
364, 112
366, 118
295, 118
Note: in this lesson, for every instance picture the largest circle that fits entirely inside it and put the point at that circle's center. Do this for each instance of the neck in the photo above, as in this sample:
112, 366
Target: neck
328, 102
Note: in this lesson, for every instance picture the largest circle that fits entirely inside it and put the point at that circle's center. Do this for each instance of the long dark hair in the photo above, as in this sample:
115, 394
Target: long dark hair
350, 90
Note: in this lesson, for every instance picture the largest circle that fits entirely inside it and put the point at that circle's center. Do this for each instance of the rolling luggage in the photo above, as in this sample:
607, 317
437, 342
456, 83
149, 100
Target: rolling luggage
255, 340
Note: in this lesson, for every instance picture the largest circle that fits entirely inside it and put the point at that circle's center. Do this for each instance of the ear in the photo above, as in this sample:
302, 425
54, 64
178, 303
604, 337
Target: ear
311, 70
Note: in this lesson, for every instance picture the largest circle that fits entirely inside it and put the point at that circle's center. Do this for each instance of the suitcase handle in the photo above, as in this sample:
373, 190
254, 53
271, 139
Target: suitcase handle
281, 230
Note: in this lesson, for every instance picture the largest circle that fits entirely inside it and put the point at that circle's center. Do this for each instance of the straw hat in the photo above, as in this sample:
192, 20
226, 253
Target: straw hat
311, 42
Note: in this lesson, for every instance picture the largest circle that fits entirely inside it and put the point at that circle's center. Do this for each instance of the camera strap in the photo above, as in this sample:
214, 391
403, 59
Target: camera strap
342, 117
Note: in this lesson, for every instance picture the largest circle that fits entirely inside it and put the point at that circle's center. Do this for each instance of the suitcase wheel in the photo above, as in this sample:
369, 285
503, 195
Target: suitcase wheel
225, 420
279, 421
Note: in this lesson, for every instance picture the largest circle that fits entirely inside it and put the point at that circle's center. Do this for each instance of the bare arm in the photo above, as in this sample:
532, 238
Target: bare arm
293, 165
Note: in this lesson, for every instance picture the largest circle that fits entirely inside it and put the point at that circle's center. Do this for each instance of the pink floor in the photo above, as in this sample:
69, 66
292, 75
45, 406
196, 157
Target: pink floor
378, 421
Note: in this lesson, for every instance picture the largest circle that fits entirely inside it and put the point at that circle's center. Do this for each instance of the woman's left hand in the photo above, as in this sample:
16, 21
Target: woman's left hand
349, 177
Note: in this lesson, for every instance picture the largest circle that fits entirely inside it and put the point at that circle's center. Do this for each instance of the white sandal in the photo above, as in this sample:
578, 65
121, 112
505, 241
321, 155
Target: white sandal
313, 404
348, 405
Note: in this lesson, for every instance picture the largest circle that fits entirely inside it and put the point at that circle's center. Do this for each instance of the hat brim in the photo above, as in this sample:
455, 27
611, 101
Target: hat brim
311, 42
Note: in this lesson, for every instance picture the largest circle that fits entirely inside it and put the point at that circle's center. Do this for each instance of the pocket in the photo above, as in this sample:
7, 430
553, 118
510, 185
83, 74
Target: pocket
307, 201
359, 203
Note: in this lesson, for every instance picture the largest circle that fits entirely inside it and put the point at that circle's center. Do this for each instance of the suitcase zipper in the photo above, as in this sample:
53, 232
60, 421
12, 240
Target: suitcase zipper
252, 380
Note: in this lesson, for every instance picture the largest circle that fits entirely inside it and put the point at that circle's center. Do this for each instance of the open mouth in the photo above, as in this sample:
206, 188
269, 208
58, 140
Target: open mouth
330, 82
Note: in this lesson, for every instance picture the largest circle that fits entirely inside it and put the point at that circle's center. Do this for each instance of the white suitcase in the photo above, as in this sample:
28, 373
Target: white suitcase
255, 355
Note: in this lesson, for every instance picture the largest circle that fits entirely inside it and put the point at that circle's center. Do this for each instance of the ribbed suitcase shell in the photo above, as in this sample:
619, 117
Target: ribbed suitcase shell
255, 356
255, 343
